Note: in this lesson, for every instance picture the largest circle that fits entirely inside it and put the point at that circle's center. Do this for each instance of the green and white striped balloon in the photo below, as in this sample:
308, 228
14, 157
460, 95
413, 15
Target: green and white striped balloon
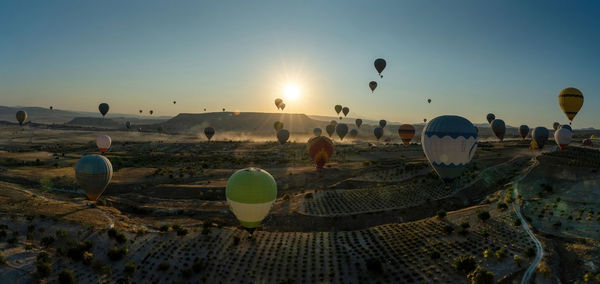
250, 193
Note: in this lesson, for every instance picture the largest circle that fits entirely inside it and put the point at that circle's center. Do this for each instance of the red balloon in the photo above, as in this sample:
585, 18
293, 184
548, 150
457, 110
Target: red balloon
320, 149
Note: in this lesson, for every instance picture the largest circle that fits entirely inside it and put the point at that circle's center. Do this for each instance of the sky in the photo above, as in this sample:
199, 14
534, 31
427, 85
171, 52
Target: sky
511, 58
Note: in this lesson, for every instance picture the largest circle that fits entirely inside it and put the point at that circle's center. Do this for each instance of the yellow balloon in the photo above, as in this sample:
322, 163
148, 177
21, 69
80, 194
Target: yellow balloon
570, 101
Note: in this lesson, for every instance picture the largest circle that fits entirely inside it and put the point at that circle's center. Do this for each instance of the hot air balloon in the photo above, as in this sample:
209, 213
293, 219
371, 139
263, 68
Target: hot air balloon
424, 120
21, 117
278, 102
358, 122
337, 109
330, 129
128, 124
250, 193
449, 142
51, 107
499, 128
523, 131
204, 109
555, 125
570, 101
567, 127
490, 117
151, 112
345, 110
93, 173
103, 142
141, 111
562, 137
333, 122
103, 108
373, 86
341, 129
278, 125
174, 102
320, 150
223, 109
282, 136
209, 132
378, 132
353, 133
540, 136
406, 132
282, 106
428, 101
379, 65
317, 131
382, 123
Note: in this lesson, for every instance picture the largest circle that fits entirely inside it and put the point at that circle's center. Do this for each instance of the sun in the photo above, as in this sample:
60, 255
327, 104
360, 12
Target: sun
291, 92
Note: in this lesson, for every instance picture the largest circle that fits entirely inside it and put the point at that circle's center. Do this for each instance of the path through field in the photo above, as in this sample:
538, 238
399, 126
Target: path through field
540, 250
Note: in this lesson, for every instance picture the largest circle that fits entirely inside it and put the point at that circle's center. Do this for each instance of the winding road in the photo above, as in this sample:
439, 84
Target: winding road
540, 250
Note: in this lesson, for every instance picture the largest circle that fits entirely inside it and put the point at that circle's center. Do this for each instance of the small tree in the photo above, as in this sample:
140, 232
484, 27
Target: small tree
483, 215
66, 277
130, 268
481, 276
465, 264
441, 213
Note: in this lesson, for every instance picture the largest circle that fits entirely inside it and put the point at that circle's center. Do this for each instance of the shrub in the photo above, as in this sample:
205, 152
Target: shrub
483, 215
66, 277
101, 268
197, 266
129, 268
481, 276
501, 253
434, 254
164, 228
501, 206
530, 251
186, 273
61, 234
308, 195
2, 258
47, 241
448, 229
181, 231
441, 213
43, 269
87, 257
236, 241
374, 265
163, 266
517, 222
116, 254
465, 264
465, 225
517, 260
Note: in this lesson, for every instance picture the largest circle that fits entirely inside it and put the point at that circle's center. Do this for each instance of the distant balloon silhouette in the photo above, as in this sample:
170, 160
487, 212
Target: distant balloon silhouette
141, 111
223, 109
278, 102
278, 125
330, 129
333, 122
358, 122
21, 117
490, 117
424, 120
379, 65
353, 133
499, 128
103, 108
337, 109
540, 136
346, 110
320, 150
523, 131
204, 109
317, 131
282, 106
51, 107
382, 123
174, 102
429, 101
378, 132
341, 129
406, 133
209, 132
373, 86
282, 136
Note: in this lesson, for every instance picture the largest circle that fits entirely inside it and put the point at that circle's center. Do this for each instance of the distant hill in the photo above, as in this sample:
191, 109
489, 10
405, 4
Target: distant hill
47, 116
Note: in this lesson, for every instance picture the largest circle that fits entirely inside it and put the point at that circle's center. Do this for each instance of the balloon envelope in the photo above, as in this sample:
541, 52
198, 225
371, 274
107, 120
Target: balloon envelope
540, 136
353, 133
341, 129
358, 122
93, 173
21, 116
103, 108
330, 129
570, 101
567, 127
345, 110
372, 85
250, 193
379, 65
382, 123
317, 131
562, 137
337, 108
406, 133
320, 150
278, 102
449, 142
103, 142
555, 125
523, 131
282, 136
209, 132
490, 117
278, 125
378, 132
499, 128
282, 106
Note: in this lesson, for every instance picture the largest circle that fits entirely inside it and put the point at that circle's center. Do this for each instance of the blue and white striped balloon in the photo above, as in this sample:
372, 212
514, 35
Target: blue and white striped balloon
449, 142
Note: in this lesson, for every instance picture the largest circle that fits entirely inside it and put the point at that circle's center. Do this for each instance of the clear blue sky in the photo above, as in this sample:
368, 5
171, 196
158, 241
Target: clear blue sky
511, 58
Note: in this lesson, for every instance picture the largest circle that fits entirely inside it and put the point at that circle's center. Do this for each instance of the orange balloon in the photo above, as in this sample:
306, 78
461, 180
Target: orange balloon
320, 149
406, 132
